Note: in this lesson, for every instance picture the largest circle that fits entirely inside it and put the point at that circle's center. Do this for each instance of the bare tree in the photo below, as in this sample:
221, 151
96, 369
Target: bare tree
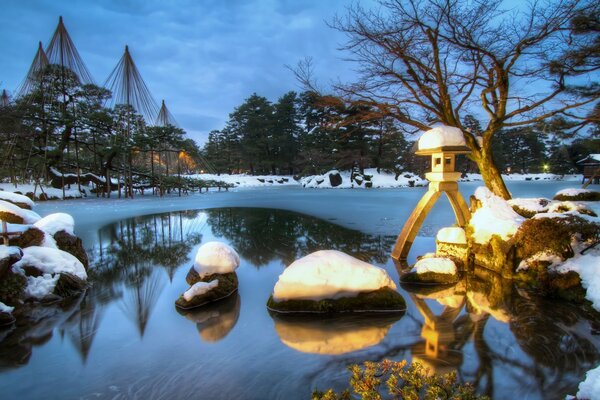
427, 61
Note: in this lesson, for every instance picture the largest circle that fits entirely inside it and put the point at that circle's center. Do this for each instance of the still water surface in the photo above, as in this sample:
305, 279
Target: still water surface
125, 339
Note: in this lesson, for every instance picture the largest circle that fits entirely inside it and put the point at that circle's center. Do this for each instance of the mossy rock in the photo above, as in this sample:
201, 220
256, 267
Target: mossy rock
587, 196
31, 237
228, 284
526, 213
10, 218
429, 278
69, 285
72, 245
11, 288
566, 286
381, 300
7, 262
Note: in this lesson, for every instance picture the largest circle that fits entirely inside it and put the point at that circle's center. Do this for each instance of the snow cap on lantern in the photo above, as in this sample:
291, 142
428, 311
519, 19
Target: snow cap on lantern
442, 143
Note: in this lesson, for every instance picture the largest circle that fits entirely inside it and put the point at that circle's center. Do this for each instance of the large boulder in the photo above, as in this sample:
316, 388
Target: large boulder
208, 289
30, 237
330, 281
432, 270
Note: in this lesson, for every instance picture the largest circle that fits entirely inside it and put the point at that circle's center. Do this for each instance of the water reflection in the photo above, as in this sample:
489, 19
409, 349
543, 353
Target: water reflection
215, 320
507, 341
557, 338
333, 335
262, 235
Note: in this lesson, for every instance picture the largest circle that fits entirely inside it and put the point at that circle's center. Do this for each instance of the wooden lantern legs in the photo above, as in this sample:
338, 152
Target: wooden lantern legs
414, 222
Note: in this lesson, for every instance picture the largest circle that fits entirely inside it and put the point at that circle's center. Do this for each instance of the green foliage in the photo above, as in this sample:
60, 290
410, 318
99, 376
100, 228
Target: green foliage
378, 380
384, 299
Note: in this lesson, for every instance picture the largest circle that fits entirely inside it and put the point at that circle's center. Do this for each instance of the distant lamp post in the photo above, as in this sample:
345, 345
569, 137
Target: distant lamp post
442, 143
546, 167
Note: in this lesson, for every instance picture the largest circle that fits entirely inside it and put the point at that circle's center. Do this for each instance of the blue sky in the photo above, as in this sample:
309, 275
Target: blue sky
203, 57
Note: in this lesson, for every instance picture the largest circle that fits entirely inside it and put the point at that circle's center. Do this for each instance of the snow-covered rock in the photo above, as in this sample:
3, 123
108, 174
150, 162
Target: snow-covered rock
529, 206
216, 258
16, 198
56, 222
200, 288
495, 217
570, 207
39, 287
590, 387
26, 216
573, 192
436, 265
441, 136
380, 179
9, 251
329, 274
453, 234
588, 268
51, 261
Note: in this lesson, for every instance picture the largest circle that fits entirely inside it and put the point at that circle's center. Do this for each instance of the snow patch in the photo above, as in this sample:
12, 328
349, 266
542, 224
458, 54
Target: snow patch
588, 268
216, 258
438, 265
441, 136
329, 274
9, 251
200, 288
56, 222
41, 286
6, 309
495, 217
590, 387
452, 235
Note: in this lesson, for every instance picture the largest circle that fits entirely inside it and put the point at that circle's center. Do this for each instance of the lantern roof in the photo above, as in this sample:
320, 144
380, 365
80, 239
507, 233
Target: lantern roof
442, 138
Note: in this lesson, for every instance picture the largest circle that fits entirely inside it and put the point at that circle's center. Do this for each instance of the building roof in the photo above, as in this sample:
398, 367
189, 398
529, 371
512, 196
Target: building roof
591, 159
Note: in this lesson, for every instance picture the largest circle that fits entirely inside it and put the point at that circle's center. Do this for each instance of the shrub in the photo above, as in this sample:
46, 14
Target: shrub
400, 380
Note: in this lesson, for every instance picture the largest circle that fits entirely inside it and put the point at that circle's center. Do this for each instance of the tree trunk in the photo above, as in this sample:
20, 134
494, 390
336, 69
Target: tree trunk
490, 173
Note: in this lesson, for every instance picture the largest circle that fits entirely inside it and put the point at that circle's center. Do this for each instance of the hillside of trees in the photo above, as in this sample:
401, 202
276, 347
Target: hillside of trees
304, 134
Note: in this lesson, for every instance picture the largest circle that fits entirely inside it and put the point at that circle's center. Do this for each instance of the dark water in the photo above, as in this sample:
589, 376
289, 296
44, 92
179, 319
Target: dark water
125, 339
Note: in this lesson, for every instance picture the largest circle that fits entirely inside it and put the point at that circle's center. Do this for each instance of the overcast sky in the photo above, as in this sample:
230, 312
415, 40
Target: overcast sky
204, 57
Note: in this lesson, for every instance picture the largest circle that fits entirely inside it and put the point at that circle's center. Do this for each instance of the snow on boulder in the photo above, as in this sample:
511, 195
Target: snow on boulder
453, 234
441, 136
590, 387
200, 288
588, 268
530, 206
56, 222
16, 215
51, 261
436, 265
329, 274
573, 192
6, 317
17, 199
495, 217
216, 258
577, 194
570, 207
39, 287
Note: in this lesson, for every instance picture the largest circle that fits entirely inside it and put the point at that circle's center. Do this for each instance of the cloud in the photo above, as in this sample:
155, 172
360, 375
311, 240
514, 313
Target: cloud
203, 57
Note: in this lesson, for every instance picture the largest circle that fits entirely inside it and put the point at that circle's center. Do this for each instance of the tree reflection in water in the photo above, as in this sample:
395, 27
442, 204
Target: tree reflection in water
484, 327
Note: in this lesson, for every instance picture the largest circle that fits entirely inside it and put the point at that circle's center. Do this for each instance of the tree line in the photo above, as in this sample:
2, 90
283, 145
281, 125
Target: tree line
307, 133
62, 132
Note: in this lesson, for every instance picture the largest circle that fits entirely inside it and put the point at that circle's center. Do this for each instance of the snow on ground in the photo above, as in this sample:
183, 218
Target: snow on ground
536, 204
200, 288
216, 258
438, 265
441, 135
590, 388
244, 180
52, 193
453, 234
495, 217
527, 177
572, 192
378, 179
15, 198
329, 274
56, 222
51, 261
5, 309
28, 216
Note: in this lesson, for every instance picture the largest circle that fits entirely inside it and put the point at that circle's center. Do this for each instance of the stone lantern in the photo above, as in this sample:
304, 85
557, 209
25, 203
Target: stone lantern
442, 143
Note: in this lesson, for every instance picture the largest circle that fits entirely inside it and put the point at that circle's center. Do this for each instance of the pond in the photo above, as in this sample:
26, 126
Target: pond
125, 339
